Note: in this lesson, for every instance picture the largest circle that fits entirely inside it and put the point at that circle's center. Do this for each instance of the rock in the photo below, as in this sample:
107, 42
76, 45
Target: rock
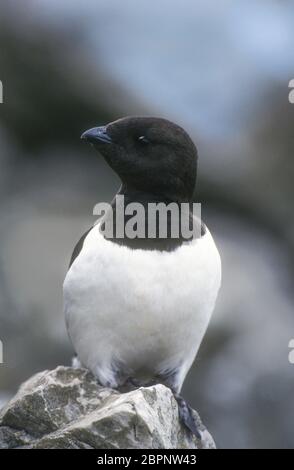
67, 408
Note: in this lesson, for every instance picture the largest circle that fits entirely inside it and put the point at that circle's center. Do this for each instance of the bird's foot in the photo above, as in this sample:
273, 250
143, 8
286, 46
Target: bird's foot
188, 416
186, 413
132, 383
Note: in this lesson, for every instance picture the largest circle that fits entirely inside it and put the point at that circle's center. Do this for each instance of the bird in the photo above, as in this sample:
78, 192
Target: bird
137, 309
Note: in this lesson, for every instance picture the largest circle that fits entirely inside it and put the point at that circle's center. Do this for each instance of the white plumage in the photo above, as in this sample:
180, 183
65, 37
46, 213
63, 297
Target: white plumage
144, 311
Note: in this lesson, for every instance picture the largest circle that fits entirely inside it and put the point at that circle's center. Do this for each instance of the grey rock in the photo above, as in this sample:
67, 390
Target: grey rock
67, 408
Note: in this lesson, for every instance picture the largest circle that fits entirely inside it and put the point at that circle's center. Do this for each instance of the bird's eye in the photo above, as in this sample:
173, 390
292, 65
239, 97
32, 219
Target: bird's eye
143, 140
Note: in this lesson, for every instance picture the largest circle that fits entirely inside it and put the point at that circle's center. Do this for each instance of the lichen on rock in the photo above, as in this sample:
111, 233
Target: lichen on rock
67, 409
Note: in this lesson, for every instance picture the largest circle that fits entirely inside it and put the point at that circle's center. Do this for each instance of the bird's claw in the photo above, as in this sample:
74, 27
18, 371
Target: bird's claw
187, 416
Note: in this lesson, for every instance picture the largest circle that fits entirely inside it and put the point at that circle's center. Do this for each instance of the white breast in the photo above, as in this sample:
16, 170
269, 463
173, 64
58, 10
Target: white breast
139, 309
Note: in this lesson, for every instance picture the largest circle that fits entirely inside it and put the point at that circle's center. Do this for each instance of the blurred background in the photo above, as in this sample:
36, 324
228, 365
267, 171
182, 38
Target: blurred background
221, 70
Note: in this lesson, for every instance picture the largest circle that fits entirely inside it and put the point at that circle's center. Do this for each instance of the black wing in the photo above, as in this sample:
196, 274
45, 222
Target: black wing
78, 247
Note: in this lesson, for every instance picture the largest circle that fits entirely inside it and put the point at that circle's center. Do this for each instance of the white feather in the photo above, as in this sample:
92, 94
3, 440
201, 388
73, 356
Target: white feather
144, 310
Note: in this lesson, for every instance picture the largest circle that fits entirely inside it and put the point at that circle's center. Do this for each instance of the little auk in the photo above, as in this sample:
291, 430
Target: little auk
137, 309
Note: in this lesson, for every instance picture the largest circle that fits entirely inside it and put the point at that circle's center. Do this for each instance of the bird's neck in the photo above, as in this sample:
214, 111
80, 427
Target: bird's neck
132, 194
119, 213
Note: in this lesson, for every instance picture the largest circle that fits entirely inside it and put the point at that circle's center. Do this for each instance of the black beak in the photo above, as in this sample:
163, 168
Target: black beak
97, 135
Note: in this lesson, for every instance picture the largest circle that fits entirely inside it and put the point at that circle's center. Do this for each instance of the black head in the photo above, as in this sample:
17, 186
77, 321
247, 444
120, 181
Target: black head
149, 154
